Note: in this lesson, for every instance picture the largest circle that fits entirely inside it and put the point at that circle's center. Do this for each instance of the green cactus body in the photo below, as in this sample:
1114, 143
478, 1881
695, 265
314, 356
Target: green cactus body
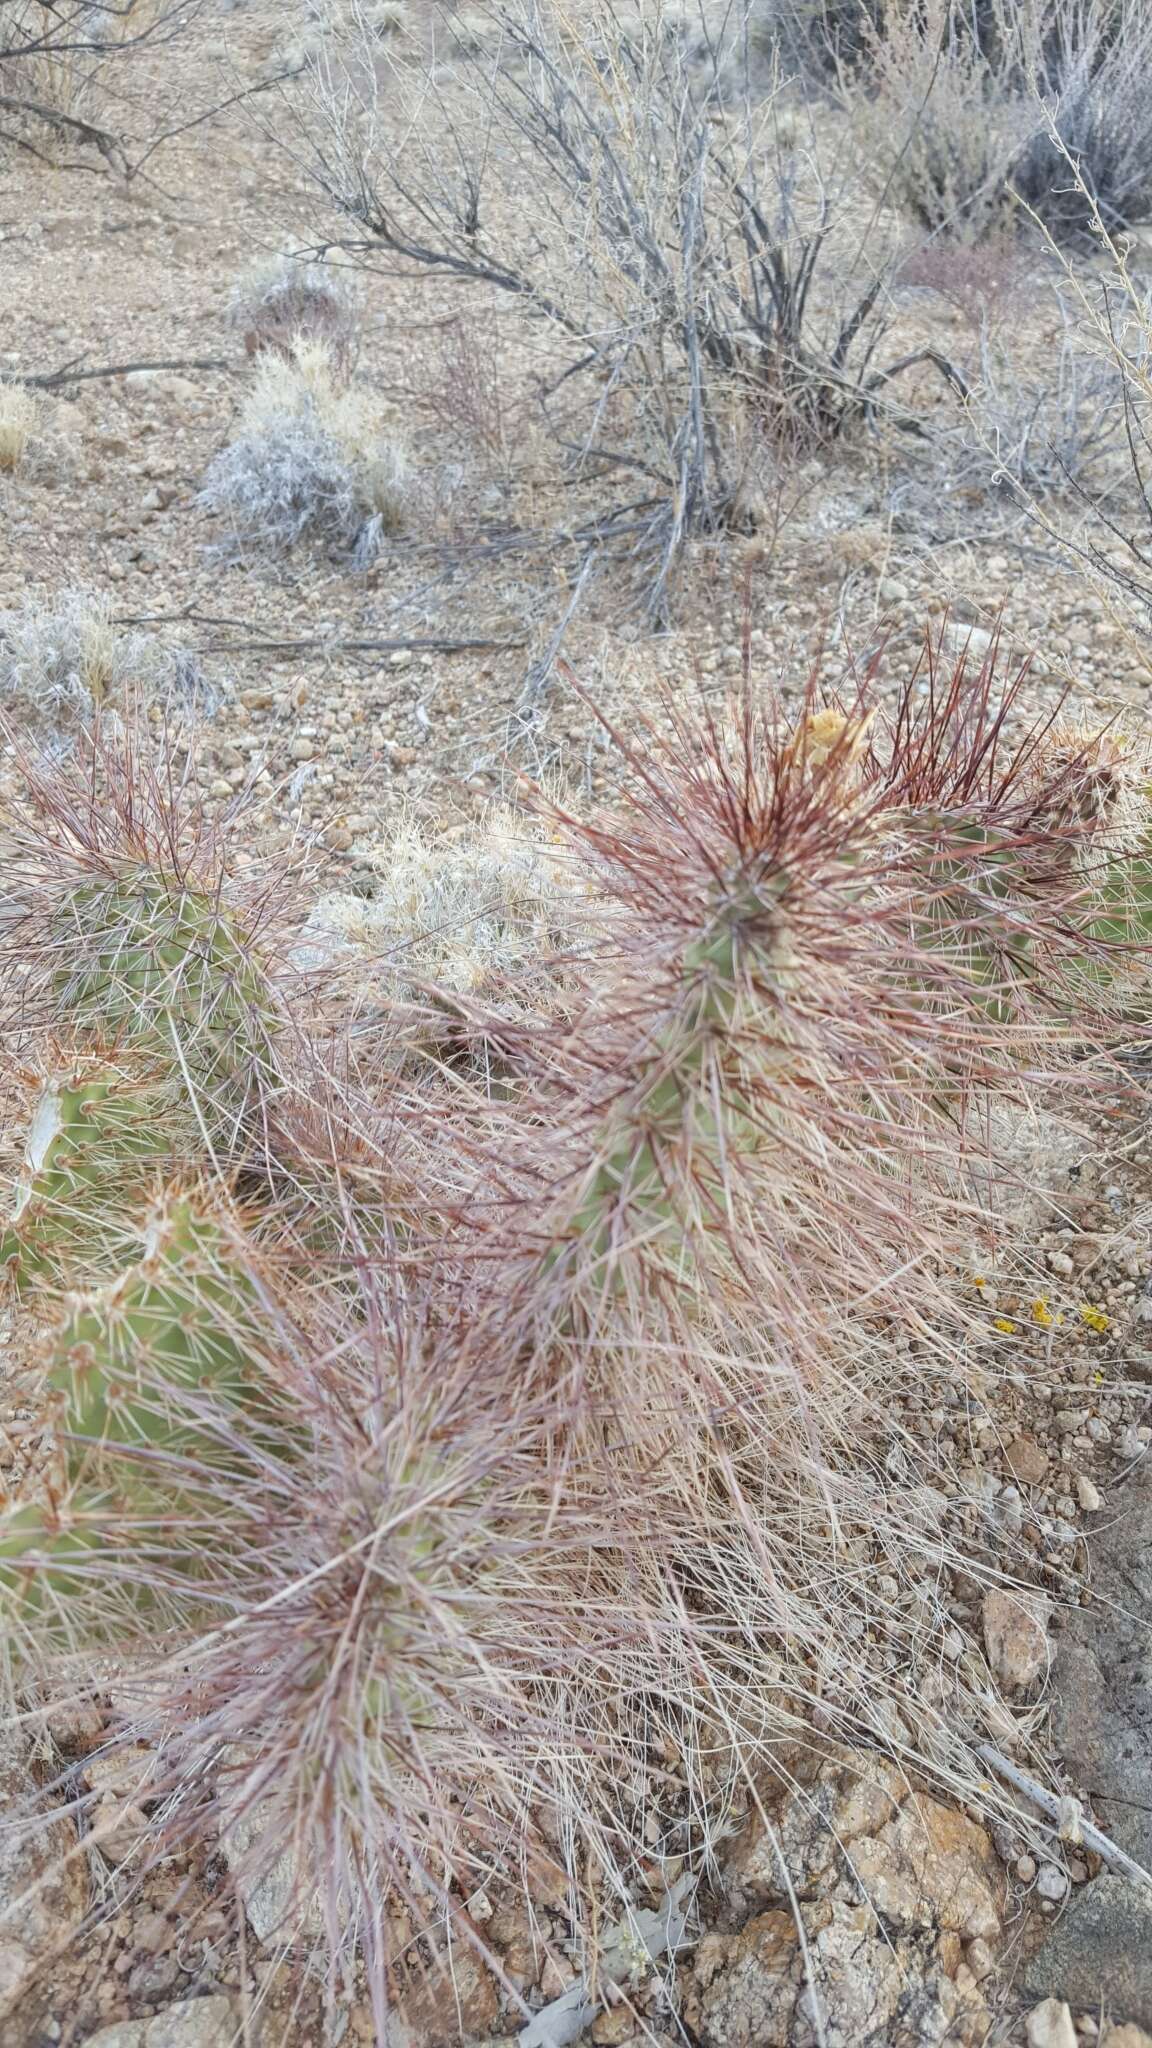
183, 1322
98, 1139
971, 890
166, 969
675, 1103
39, 1549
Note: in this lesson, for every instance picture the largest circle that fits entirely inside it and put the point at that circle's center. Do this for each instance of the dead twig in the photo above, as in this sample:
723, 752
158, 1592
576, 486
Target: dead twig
1057, 1810
53, 380
320, 645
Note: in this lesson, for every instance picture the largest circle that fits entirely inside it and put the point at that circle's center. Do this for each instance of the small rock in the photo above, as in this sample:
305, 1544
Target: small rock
1050, 2026
1016, 1635
1026, 1461
890, 590
1052, 1882
610, 2029
1089, 1497
302, 748
43, 1883
152, 1933
194, 2023
1125, 2037
961, 638
1025, 1869
980, 1960
1059, 1262
117, 1828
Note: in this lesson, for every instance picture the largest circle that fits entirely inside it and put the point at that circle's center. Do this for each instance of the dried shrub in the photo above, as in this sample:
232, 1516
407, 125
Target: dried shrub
312, 461
1038, 438
678, 248
458, 931
970, 119
67, 78
18, 417
64, 659
285, 302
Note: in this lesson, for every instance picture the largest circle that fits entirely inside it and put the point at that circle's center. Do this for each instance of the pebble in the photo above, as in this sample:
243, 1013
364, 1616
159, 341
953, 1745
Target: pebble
1025, 1868
302, 748
1052, 1882
152, 1933
1089, 1496
1049, 2025
1027, 1461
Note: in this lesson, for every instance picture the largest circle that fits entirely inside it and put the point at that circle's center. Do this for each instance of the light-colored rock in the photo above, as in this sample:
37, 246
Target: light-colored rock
1052, 1882
897, 1981
1050, 2025
749, 1984
1125, 2037
278, 1906
931, 1867
194, 2023
1016, 1635
1088, 1495
961, 638
846, 1800
43, 1882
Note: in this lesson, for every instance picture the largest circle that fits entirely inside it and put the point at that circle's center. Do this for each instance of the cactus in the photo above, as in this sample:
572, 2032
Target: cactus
101, 1134
43, 1552
133, 1360
164, 966
160, 1390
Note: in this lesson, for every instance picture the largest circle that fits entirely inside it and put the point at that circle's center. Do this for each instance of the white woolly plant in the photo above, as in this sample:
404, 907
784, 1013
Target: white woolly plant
460, 931
312, 461
64, 658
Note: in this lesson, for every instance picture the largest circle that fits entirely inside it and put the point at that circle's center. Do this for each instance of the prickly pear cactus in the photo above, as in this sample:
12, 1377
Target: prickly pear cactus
165, 1351
163, 967
103, 1133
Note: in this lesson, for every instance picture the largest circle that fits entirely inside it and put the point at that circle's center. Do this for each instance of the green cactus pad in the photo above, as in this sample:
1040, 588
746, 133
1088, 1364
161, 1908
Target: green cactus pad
131, 1360
160, 966
101, 1135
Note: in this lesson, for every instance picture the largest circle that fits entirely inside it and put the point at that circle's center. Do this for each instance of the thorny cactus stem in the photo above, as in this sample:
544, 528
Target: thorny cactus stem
43, 1552
676, 1100
161, 1393
132, 1358
163, 965
100, 1133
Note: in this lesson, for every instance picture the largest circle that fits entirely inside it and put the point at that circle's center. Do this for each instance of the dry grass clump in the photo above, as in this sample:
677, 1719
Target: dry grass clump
461, 930
18, 416
573, 1480
285, 302
64, 660
312, 461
